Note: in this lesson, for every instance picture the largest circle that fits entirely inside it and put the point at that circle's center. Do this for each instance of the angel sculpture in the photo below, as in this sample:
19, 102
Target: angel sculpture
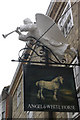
53, 38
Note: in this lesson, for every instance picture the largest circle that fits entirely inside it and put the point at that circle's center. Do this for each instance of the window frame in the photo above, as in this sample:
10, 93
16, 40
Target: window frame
65, 23
76, 61
76, 70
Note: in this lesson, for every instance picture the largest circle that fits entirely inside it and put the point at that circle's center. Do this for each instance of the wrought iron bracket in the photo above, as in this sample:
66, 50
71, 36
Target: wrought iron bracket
42, 53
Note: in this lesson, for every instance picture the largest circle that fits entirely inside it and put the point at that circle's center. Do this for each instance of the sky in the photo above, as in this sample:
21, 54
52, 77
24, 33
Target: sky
12, 14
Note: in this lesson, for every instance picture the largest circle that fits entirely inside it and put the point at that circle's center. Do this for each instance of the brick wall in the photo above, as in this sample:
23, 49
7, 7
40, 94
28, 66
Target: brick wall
18, 112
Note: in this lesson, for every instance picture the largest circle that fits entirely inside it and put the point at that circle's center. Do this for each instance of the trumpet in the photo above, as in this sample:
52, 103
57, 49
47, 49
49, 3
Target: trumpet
5, 35
8, 34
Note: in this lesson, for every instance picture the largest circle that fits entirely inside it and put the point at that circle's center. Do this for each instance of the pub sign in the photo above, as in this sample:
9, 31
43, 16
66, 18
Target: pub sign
48, 88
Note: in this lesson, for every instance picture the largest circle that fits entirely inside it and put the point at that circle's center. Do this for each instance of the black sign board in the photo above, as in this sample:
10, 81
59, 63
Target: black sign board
48, 88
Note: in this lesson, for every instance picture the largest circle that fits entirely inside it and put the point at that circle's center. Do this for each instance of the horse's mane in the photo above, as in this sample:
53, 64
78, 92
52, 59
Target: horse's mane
57, 79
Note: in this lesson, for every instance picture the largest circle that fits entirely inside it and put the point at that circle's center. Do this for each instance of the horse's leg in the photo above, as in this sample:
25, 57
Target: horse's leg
38, 95
55, 93
42, 97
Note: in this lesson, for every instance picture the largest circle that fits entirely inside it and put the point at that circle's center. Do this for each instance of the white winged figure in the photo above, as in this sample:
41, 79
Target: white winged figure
53, 38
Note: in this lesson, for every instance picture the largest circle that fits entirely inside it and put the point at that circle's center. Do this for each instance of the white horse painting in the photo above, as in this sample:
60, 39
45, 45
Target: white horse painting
53, 85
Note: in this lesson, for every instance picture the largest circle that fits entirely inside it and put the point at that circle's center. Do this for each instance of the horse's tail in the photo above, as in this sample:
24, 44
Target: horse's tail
37, 83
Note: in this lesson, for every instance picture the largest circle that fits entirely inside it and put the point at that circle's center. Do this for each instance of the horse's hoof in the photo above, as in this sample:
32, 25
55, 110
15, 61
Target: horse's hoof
38, 96
42, 98
55, 98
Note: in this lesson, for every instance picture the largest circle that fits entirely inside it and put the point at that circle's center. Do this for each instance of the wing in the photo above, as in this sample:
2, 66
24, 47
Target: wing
44, 23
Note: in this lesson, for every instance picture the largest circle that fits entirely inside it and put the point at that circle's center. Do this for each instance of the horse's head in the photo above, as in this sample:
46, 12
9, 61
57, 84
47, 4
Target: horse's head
61, 79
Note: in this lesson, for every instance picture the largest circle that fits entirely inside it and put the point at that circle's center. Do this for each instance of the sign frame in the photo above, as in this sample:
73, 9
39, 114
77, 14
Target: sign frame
32, 103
